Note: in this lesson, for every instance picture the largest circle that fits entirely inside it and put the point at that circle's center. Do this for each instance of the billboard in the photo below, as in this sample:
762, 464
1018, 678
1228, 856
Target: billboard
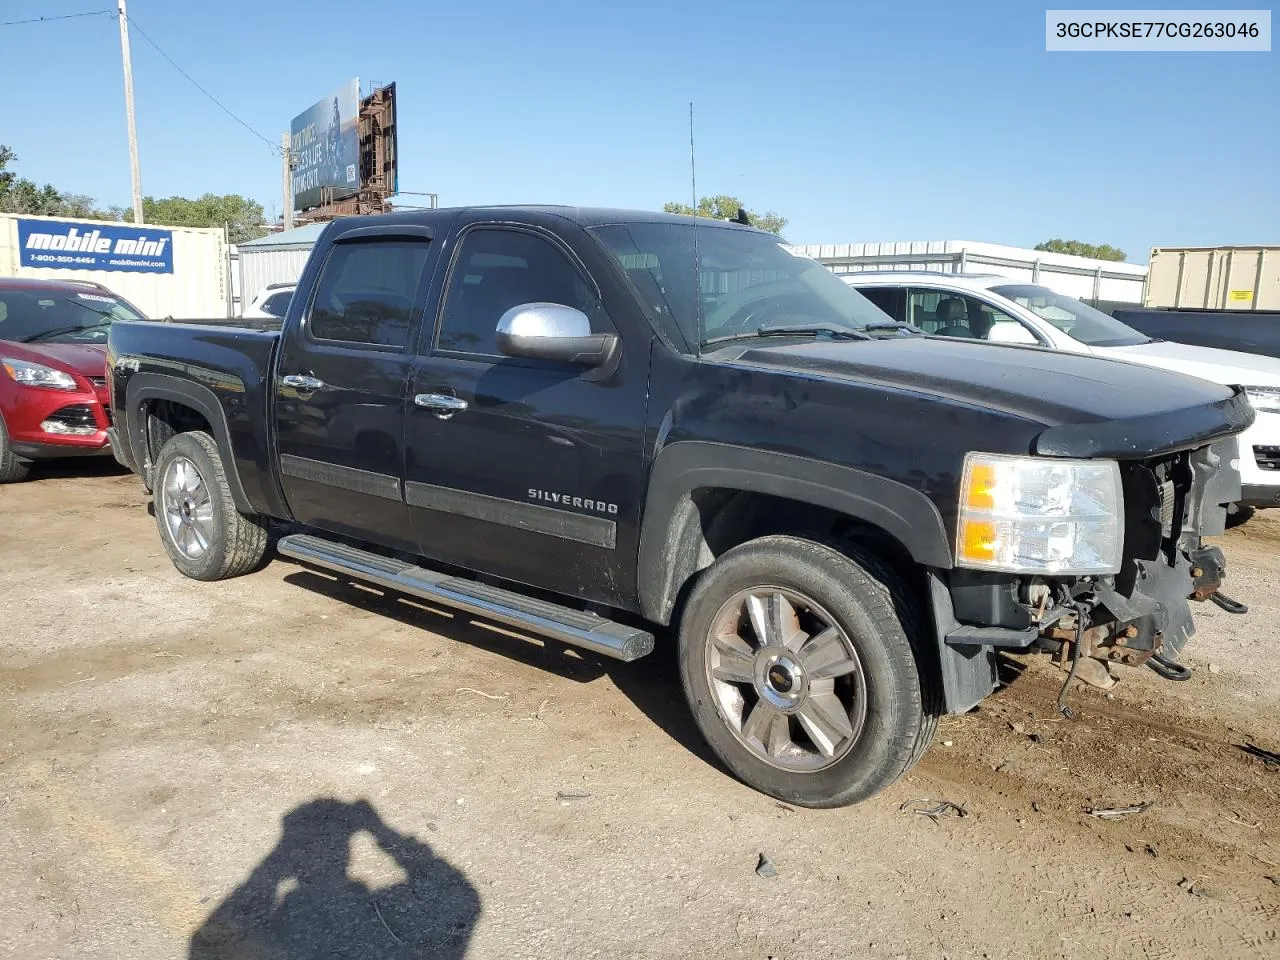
94, 246
325, 147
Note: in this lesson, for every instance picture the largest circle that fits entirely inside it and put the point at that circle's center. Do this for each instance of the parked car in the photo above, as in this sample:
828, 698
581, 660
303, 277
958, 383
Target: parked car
1000, 310
270, 302
593, 424
53, 390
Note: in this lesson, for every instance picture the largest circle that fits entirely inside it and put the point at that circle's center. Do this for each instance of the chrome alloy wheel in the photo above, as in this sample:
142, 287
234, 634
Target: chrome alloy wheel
786, 679
188, 508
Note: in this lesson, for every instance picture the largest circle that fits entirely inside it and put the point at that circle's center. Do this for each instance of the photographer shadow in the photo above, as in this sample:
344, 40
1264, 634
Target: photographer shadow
300, 902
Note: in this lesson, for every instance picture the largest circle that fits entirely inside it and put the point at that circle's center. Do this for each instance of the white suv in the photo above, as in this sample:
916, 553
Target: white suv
271, 301
1002, 310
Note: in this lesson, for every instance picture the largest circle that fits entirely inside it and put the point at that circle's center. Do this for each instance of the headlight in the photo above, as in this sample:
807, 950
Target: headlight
1039, 515
36, 375
1264, 399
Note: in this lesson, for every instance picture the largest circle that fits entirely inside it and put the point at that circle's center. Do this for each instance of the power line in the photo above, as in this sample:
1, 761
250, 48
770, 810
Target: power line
65, 16
222, 106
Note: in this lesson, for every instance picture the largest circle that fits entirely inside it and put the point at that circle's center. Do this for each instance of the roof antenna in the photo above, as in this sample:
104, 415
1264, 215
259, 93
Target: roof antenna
697, 261
693, 172
741, 217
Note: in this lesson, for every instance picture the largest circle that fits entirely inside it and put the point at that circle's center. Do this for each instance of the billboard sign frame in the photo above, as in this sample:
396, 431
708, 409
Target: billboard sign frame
325, 149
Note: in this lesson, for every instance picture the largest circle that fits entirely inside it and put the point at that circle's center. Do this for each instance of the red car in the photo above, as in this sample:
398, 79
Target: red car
53, 363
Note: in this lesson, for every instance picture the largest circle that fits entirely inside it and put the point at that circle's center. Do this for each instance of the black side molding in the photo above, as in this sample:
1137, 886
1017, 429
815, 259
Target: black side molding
582, 528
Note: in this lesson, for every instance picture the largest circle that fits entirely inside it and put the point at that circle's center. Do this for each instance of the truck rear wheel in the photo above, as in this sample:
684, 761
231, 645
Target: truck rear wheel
203, 533
801, 675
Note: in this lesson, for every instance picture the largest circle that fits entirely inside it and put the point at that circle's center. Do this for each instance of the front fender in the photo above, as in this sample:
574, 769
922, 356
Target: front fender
672, 547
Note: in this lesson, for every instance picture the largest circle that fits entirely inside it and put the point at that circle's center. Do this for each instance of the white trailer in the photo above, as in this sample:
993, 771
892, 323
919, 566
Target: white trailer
1082, 277
180, 272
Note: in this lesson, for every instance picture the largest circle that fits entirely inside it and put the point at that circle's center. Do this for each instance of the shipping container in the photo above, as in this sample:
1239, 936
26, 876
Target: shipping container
1215, 278
275, 258
1082, 277
164, 271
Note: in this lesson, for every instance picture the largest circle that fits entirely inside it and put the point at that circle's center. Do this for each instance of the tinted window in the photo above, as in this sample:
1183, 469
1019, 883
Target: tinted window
496, 270
703, 283
949, 314
277, 304
1077, 320
60, 315
366, 292
888, 299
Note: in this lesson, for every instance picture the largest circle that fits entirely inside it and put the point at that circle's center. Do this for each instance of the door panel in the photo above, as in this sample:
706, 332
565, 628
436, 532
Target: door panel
538, 478
340, 395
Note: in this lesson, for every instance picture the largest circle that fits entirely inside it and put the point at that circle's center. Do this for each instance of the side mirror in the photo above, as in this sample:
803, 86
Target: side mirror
552, 331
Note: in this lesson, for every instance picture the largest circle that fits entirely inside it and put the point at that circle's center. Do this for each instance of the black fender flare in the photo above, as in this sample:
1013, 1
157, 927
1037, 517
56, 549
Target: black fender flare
143, 388
672, 546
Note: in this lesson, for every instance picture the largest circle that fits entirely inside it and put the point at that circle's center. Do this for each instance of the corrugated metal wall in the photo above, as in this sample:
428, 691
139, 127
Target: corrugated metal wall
1081, 277
261, 267
198, 286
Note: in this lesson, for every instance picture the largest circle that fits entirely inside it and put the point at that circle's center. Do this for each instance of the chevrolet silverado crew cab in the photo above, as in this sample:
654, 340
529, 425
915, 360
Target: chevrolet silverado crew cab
591, 425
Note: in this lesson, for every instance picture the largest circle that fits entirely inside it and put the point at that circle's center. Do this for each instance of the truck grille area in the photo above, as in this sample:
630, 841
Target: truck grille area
1267, 458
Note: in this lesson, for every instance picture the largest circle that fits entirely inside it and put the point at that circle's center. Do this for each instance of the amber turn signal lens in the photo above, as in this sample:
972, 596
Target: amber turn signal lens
981, 489
977, 540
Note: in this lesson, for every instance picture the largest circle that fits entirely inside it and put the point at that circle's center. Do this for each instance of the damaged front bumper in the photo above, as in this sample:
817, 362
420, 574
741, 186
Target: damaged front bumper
1141, 615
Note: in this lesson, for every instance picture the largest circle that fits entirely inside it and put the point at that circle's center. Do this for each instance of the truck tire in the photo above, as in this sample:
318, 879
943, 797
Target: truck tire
203, 533
11, 468
801, 675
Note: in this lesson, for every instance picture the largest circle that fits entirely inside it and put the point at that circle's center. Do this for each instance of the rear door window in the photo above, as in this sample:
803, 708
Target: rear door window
366, 292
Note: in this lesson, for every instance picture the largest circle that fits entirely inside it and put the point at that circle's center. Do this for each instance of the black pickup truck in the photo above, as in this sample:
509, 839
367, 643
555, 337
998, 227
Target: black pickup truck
594, 424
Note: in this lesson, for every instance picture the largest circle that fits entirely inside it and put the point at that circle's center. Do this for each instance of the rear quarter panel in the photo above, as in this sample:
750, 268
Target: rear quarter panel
220, 367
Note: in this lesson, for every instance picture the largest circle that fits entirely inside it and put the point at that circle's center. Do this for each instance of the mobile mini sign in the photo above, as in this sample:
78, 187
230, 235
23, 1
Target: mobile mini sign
94, 246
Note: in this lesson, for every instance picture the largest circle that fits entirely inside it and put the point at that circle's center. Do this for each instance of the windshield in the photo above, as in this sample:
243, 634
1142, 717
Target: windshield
1077, 320
746, 282
60, 316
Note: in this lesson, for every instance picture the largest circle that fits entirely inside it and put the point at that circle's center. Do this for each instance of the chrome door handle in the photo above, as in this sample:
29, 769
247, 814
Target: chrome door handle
442, 404
301, 382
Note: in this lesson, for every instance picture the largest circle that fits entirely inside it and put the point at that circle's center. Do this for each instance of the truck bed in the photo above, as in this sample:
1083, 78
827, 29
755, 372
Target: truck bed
1250, 331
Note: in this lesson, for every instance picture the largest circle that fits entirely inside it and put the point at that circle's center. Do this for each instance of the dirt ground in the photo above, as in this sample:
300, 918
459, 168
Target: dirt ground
282, 766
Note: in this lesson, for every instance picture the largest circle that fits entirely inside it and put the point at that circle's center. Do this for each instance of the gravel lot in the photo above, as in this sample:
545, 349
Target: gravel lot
283, 766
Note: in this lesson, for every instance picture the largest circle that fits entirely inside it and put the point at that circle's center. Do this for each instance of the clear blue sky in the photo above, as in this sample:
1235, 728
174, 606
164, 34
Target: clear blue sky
858, 121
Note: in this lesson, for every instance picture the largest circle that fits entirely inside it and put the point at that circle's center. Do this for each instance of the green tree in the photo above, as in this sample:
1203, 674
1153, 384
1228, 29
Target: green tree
1078, 248
242, 216
724, 207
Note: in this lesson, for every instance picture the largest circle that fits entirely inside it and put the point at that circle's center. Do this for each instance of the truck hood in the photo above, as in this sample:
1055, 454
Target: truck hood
1221, 366
1091, 407
86, 359
1047, 386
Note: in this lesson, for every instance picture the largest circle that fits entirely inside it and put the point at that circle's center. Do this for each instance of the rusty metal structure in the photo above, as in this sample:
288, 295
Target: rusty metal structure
379, 173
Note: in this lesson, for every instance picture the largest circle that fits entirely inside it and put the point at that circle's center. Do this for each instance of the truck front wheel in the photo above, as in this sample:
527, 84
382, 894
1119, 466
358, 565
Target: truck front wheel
798, 665
203, 533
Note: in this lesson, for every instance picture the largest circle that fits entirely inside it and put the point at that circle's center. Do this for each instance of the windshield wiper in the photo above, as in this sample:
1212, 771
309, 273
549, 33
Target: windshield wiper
803, 330
63, 331
890, 325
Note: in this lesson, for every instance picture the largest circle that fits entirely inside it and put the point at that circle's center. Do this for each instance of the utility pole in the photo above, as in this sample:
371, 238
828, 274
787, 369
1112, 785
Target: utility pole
286, 153
128, 110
